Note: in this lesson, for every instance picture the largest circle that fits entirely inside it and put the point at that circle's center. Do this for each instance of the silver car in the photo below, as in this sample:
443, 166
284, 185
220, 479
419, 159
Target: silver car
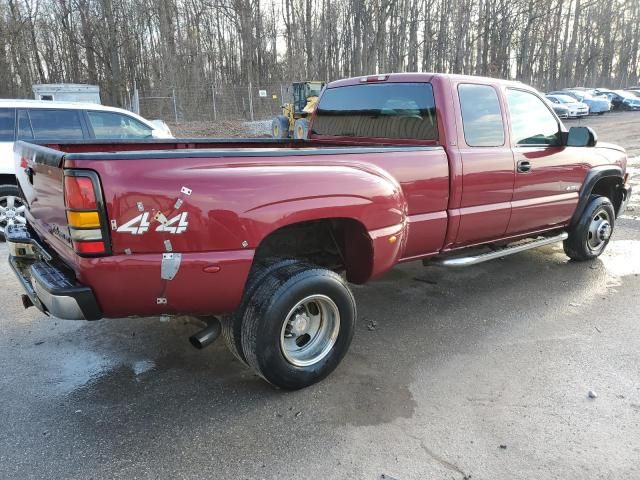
576, 108
597, 103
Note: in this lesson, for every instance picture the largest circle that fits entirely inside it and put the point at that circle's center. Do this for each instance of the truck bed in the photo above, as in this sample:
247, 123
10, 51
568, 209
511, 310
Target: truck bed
213, 201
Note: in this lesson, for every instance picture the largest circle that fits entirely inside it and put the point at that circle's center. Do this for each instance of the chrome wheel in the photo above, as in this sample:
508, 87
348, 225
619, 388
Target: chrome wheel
310, 330
600, 230
11, 211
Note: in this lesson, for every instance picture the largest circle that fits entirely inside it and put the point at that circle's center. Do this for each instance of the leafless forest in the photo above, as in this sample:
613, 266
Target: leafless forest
186, 43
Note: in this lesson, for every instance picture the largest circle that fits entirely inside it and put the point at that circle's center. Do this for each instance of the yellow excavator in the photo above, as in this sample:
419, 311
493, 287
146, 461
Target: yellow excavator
294, 121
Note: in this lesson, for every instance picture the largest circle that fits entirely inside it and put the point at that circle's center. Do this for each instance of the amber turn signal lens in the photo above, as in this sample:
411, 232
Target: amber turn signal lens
393, 239
83, 219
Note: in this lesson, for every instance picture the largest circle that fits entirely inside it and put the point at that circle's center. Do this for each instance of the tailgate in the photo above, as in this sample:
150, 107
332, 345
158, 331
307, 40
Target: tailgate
44, 185
40, 178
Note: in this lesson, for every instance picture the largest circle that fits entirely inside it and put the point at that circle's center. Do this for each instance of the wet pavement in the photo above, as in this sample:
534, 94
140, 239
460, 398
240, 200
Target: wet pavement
479, 373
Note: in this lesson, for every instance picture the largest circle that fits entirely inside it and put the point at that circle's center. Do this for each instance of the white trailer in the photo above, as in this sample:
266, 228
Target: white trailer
67, 92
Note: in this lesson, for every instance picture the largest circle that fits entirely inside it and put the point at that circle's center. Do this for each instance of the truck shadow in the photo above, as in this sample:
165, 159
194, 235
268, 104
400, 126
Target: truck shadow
140, 380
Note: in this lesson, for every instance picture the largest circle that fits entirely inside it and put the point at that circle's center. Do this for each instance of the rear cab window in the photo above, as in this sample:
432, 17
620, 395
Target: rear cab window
378, 110
7, 124
481, 115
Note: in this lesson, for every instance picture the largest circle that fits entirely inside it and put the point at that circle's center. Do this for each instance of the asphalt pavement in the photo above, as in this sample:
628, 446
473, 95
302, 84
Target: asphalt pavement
480, 373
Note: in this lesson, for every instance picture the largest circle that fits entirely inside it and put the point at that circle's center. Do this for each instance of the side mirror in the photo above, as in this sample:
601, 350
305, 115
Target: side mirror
581, 137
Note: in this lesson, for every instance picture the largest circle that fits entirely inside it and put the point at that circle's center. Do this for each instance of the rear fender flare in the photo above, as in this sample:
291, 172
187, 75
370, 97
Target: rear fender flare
375, 201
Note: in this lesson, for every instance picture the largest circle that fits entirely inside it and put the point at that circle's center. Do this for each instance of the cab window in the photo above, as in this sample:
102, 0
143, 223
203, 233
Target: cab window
56, 124
25, 132
531, 121
7, 124
110, 125
378, 110
481, 116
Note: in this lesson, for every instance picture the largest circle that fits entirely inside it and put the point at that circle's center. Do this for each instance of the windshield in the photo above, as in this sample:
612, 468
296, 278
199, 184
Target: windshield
565, 98
378, 110
314, 89
578, 96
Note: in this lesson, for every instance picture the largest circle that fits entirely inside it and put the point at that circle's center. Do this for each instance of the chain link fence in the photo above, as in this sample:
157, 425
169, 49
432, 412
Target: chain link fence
211, 102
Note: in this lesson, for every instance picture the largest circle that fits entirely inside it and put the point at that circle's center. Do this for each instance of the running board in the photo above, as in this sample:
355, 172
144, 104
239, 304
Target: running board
485, 257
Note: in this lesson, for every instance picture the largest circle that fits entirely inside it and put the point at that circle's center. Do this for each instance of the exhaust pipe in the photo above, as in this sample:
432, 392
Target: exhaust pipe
26, 301
207, 335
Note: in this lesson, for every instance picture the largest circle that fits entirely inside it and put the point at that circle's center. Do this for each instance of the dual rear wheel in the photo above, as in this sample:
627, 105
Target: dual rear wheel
295, 324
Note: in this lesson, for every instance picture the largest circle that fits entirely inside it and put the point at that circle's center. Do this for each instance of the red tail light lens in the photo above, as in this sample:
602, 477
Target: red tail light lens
89, 248
86, 215
79, 193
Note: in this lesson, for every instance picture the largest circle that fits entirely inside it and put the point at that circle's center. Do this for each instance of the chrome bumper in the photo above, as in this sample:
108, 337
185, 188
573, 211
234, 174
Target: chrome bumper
49, 287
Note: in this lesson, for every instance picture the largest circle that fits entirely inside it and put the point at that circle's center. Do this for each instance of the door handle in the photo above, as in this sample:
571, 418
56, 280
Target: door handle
524, 166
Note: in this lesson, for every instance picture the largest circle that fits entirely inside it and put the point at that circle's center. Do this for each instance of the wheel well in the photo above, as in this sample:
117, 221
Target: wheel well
609, 187
7, 179
339, 244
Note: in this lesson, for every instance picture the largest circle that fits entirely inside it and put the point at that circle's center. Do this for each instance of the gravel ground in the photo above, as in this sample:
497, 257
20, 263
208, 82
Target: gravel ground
481, 373
227, 128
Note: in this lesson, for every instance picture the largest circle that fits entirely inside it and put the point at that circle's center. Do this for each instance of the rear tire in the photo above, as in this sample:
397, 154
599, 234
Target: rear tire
590, 236
298, 325
301, 129
12, 208
280, 127
232, 323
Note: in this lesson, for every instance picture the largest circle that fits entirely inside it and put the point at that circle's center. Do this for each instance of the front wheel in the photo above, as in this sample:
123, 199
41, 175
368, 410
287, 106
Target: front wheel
301, 128
298, 326
590, 236
12, 208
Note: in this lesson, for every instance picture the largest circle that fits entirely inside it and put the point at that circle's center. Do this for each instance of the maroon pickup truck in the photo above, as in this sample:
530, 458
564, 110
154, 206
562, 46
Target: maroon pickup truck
260, 237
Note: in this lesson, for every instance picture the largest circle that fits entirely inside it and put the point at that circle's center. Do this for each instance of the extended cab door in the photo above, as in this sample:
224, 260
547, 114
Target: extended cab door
487, 165
548, 174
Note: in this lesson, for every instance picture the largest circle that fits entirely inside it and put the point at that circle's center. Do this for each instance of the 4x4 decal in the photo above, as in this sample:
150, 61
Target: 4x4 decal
140, 224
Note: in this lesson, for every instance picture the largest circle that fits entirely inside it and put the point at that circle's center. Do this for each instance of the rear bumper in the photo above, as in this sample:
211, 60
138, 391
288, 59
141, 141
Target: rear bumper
50, 288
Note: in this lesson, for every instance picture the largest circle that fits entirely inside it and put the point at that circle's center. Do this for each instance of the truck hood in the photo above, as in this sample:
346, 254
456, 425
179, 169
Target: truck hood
610, 146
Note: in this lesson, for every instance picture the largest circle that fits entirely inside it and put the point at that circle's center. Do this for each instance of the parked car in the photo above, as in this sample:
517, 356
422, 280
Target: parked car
597, 104
269, 231
634, 91
48, 120
576, 108
561, 110
623, 100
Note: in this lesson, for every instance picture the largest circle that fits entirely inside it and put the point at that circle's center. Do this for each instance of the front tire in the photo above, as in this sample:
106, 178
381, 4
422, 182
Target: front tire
298, 325
12, 208
590, 236
301, 128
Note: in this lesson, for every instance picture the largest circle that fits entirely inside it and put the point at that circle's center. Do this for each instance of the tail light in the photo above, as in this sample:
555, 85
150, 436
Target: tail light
86, 215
